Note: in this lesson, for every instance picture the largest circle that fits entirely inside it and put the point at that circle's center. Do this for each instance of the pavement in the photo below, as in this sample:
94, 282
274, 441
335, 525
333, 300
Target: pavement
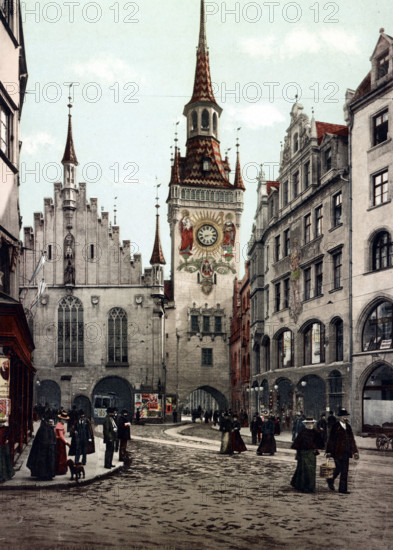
168, 434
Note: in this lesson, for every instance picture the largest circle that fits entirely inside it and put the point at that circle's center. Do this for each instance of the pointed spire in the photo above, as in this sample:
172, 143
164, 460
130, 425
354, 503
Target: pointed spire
203, 90
238, 171
69, 152
313, 133
157, 257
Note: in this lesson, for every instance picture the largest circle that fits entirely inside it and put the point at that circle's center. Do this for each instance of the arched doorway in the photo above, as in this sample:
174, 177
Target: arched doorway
312, 390
49, 392
207, 398
82, 402
284, 401
378, 398
112, 391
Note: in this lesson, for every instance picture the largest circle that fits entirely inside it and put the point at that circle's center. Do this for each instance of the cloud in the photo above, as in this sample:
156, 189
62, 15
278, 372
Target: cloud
256, 116
32, 144
107, 69
300, 42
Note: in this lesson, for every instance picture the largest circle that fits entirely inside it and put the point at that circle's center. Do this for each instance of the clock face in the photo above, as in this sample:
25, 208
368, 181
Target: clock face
207, 235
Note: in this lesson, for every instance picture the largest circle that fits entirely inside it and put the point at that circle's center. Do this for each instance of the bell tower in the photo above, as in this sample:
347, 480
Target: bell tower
204, 214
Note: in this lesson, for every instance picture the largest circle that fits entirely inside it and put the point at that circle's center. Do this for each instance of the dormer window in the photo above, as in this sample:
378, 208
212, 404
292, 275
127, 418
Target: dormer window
206, 164
383, 65
205, 119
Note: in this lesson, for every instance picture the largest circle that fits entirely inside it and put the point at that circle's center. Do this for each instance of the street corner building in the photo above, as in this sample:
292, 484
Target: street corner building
96, 316
16, 343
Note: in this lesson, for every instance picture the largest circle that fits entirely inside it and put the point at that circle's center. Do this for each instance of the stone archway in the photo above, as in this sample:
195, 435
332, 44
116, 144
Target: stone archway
83, 403
49, 392
112, 391
206, 397
377, 399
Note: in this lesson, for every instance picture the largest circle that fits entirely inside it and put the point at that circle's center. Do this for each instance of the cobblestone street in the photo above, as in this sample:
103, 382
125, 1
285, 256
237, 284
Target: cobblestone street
183, 497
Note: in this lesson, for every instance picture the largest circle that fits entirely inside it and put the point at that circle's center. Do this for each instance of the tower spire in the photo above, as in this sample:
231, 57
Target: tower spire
202, 32
238, 171
157, 257
69, 152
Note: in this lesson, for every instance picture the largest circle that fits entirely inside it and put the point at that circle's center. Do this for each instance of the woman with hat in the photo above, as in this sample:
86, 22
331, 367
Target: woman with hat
61, 454
306, 444
268, 442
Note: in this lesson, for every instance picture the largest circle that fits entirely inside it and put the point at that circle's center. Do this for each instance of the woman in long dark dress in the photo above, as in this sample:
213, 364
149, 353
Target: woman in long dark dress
237, 440
307, 444
268, 442
6, 469
42, 457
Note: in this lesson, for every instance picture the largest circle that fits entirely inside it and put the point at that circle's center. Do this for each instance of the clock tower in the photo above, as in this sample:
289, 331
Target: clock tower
204, 214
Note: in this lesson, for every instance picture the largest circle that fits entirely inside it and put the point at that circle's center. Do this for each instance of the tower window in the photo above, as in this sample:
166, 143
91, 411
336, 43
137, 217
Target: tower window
215, 124
205, 119
194, 120
206, 164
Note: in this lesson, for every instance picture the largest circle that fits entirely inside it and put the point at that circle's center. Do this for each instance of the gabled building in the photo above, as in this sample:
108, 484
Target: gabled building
204, 215
299, 274
98, 317
16, 343
369, 115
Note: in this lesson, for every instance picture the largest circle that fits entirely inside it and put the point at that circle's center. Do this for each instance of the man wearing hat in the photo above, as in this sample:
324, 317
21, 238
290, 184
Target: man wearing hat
110, 435
82, 437
124, 427
341, 446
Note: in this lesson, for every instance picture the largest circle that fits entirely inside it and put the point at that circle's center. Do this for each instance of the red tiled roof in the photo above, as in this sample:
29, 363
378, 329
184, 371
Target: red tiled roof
270, 184
191, 166
327, 128
363, 88
69, 152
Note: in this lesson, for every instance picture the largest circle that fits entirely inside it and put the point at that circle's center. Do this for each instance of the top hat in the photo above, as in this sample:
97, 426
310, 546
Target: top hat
63, 415
343, 412
309, 420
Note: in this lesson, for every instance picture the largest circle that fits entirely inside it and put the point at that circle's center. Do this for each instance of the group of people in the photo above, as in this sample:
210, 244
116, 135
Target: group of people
335, 436
48, 454
117, 432
231, 440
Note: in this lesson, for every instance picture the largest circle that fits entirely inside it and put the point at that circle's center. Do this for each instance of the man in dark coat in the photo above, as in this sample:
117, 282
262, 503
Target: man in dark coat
298, 425
82, 438
268, 443
110, 436
341, 446
255, 428
42, 458
124, 426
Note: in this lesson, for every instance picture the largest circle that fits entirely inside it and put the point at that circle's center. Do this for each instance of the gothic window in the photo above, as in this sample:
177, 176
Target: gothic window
117, 336
382, 251
377, 332
285, 350
70, 336
215, 123
194, 121
314, 344
205, 119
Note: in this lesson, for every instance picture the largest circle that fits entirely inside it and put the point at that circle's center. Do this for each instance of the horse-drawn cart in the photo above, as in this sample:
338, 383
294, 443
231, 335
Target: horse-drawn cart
383, 435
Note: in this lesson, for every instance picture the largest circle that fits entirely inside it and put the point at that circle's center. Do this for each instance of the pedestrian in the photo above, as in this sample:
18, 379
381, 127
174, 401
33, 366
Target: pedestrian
341, 446
307, 443
330, 422
226, 429
82, 442
42, 458
255, 428
174, 414
73, 417
206, 416
137, 416
322, 427
277, 425
268, 443
6, 469
116, 419
61, 444
124, 431
298, 425
215, 417
237, 441
110, 435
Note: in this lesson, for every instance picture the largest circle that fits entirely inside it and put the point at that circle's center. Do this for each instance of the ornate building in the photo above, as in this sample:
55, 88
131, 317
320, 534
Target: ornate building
299, 274
98, 318
16, 344
204, 215
369, 115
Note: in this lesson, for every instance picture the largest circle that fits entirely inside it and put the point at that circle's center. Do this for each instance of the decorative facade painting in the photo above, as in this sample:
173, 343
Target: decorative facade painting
211, 242
5, 402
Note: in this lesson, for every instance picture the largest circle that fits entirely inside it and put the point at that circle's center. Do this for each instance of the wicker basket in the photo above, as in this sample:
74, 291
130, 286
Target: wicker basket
327, 470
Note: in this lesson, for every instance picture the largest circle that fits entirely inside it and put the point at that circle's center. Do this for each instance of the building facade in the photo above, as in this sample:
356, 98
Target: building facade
369, 114
299, 274
204, 215
16, 344
98, 317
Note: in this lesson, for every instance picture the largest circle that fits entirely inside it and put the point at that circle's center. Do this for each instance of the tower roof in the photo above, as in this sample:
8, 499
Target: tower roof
203, 90
69, 152
238, 172
157, 256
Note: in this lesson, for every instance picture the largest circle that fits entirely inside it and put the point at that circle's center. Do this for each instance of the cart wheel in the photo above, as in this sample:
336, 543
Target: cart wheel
382, 443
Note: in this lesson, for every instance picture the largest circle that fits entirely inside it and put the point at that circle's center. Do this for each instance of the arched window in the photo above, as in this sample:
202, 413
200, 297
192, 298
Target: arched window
215, 123
70, 330
382, 251
205, 119
314, 344
377, 332
285, 350
194, 121
339, 340
117, 336
378, 398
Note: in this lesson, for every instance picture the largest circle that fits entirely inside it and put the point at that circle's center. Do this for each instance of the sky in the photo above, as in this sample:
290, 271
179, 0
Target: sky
132, 66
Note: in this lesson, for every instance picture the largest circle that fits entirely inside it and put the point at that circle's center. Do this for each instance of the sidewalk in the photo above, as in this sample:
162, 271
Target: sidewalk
94, 468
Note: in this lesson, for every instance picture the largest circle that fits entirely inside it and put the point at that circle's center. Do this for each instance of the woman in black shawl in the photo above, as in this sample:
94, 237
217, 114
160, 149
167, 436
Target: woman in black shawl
306, 444
42, 457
